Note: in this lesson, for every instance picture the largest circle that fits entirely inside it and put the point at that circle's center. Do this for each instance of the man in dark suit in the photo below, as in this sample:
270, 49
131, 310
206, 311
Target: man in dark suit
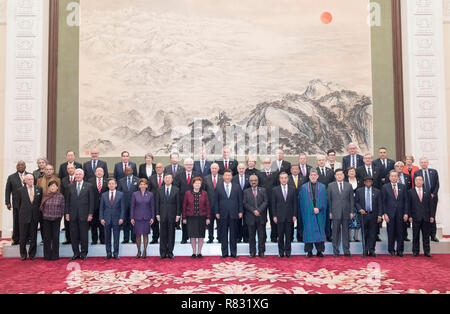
242, 180
90, 166
203, 166
79, 212
341, 202
120, 167
396, 209
155, 182
431, 185
226, 162
112, 215
65, 184
211, 182
285, 209
147, 169
269, 179
228, 209
28, 202
384, 164
296, 180
70, 160
183, 181
304, 168
326, 176
174, 168
255, 205
128, 185
422, 215
368, 204
100, 185
13, 184
168, 214
353, 159
368, 170
280, 165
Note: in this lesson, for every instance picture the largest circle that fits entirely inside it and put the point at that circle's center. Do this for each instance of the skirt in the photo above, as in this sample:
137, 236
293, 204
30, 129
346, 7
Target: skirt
141, 227
196, 226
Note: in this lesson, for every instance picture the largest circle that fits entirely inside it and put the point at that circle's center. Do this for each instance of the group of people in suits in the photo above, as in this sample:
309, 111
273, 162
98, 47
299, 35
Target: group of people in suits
319, 203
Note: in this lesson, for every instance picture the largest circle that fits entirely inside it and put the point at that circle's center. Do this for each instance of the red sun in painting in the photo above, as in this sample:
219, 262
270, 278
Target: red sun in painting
326, 17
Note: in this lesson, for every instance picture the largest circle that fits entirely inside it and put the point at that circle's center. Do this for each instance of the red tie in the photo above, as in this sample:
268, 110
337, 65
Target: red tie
226, 164
99, 186
159, 182
420, 195
254, 193
395, 191
124, 167
214, 182
189, 178
112, 198
71, 180
268, 174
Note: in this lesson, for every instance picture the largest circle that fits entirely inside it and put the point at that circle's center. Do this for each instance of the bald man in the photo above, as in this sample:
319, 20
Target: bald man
90, 166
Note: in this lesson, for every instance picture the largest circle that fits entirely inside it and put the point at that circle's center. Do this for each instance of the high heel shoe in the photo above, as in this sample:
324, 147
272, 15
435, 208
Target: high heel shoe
138, 256
144, 256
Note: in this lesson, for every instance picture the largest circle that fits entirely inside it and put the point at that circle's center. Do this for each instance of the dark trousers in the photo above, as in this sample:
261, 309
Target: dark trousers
155, 231
406, 225
320, 247
112, 230
370, 222
79, 231
328, 224
229, 227
67, 231
424, 227
211, 228
273, 227
51, 238
184, 232
259, 228
28, 231
97, 230
285, 231
433, 228
299, 229
340, 231
395, 234
242, 230
16, 227
167, 237
128, 228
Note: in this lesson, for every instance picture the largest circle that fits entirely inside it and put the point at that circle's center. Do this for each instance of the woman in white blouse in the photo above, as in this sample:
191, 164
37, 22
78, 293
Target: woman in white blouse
354, 223
331, 162
148, 168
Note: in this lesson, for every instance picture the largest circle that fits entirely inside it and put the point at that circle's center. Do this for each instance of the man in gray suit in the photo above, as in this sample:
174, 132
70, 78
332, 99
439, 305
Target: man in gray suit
342, 206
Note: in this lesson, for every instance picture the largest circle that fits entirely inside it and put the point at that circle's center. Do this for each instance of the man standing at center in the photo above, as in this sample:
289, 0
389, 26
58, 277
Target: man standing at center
342, 206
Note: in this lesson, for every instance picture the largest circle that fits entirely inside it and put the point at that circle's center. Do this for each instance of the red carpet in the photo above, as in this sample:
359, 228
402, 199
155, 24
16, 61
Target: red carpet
215, 275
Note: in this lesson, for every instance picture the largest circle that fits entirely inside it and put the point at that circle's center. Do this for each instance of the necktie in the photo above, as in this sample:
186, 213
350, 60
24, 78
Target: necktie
427, 181
78, 188
128, 183
189, 178
268, 173
279, 165
124, 167
71, 180
420, 195
395, 191
112, 198
167, 194
203, 165
159, 181
254, 192
284, 193
174, 170
323, 172
296, 181
226, 164
303, 171
31, 194
368, 201
99, 185
21, 179
228, 190
369, 172
94, 165
384, 163
341, 187
242, 182
214, 182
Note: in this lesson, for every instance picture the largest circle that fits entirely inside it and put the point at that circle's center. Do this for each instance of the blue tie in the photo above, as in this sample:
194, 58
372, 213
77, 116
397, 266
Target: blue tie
129, 183
368, 201
94, 165
167, 194
427, 182
78, 189
228, 191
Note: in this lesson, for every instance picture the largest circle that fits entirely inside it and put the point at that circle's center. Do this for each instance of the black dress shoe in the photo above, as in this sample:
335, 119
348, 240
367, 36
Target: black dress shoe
170, 256
428, 255
108, 257
210, 241
234, 255
193, 256
378, 239
415, 254
66, 242
224, 255
199, 256
162, 256
94, 243
274, 240
329, 239
252, 255
116, 257
347, 255
400, 254
372, 254
392, 254
83, 258
407, 240
261, 255
309, 255
75, 257
435, 239
280, 255
183, 242
23, 259
320, 254
15, 243
125, 242
335, 255
288, 255
154, 242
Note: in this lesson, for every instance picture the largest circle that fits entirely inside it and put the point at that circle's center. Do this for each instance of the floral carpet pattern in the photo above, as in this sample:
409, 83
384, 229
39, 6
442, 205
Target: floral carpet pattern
213, 275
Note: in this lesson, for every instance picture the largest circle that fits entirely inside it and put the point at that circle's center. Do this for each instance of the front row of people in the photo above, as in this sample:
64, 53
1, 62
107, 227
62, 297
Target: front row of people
309, 207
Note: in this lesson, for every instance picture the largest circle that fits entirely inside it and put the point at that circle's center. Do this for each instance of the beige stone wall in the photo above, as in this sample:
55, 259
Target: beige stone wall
2, 92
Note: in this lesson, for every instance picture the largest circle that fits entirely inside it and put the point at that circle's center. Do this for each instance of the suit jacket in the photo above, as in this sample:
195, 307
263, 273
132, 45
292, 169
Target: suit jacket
97, 194
395, 207
29, 212
284, 210
384, 171
13, 184
407, 178
89, 172
228, 207
285, 167
181, 182
153, 183
361, 174
65, 184
168, 209
434, 180
232, 165
168, 169
341, 205
346, 162
291, 182
304, 179
63, 169
327, 178
421, 210
206, 170
143, 171
122, 186
119, 173
209, 188
360, 201
111, 214
237, 180
82, 206
260, 203
269, 182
